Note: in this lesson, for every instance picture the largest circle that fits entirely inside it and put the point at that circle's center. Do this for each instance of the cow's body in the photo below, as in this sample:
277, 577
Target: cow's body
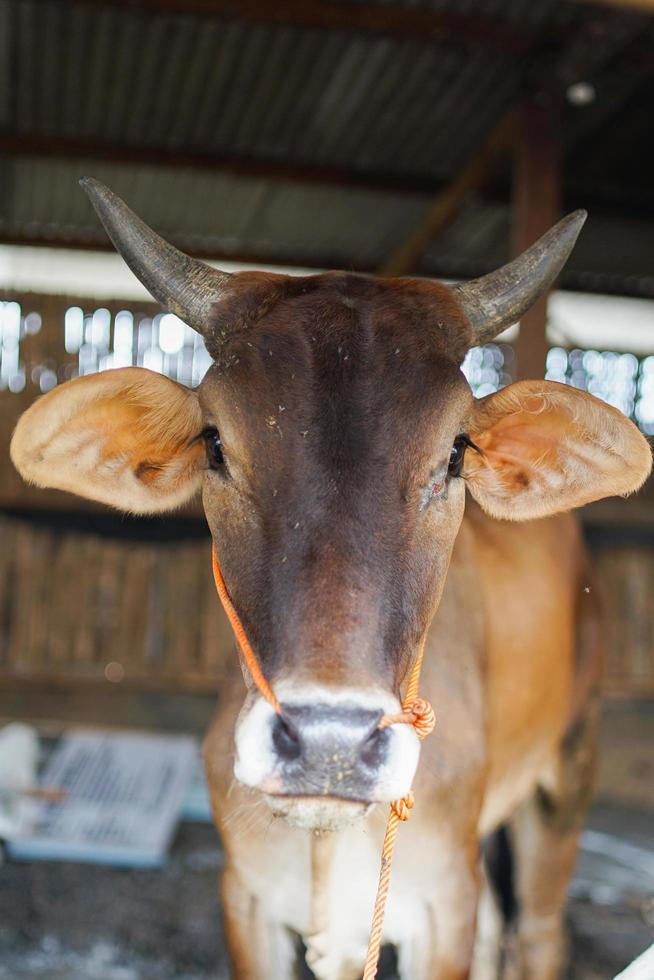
511, 681
336, 441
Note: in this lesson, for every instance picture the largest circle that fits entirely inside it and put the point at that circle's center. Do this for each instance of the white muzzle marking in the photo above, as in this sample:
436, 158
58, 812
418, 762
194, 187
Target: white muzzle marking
259, 766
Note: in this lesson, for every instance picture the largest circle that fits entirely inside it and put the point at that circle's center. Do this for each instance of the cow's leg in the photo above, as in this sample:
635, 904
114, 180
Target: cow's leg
258, 948
545, 861
443, 950
545, 830
496, 939
545, 833
488, 937
456, 912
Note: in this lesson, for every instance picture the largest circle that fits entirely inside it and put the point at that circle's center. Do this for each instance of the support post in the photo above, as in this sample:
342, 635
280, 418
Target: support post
536, 207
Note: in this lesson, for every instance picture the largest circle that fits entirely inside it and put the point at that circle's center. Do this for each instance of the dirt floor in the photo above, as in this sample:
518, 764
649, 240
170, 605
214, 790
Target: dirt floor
64, 921
79, 922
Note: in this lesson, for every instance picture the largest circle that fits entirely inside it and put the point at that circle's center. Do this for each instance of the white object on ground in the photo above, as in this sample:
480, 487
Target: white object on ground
640, 969
124, 795
19, 754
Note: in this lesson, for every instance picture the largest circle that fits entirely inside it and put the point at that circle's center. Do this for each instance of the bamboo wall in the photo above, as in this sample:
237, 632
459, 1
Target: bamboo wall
78, 607
626, 577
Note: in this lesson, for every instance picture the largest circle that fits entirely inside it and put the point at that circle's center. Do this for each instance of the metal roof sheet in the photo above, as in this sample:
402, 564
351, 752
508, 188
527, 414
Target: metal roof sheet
101, 75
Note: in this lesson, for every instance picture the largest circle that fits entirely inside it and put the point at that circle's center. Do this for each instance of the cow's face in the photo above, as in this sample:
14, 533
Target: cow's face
332, 440
335, 431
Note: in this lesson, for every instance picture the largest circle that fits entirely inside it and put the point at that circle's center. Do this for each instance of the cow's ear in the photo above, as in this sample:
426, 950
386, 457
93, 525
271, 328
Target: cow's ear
546, 447
126, 437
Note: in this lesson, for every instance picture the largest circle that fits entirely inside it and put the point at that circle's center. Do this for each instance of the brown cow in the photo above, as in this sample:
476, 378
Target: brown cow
333, 439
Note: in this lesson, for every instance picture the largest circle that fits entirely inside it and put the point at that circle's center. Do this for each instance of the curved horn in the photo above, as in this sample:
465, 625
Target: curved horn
499, 299
183, 285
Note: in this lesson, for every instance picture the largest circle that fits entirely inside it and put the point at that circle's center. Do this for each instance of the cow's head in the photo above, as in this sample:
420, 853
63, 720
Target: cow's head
333, 439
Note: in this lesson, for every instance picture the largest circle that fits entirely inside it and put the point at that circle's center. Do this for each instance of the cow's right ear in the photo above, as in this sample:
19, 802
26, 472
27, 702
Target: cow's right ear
126, 437
545, 447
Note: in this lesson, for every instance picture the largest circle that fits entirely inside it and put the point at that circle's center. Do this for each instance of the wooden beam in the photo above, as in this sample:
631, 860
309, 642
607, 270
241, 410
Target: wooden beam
58, 704
420, 23
406, 257
14, 144
536, 207
644, 6
241, 256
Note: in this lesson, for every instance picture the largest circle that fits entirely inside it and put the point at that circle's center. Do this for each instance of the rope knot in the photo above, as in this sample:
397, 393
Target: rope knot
424, 717
402, 808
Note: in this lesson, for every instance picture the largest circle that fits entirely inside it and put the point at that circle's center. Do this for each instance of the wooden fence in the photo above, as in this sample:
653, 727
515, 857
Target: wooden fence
626, 577
78, 607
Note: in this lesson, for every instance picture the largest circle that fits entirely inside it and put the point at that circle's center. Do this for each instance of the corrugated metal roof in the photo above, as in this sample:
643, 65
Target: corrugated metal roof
209, 213
174, 81
101, 75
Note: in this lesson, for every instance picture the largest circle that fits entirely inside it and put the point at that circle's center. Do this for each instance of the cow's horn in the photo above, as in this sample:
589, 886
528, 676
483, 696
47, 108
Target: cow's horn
181, 284
499, 299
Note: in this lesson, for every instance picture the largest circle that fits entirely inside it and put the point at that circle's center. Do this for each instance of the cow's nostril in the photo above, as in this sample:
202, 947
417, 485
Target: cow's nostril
373, 750
286, 740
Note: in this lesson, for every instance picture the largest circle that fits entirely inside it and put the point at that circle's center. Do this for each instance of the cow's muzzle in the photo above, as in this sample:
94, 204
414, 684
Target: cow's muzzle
326, 744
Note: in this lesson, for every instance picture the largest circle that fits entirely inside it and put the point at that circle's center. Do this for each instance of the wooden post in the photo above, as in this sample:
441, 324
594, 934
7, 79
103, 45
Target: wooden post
406, 256
536, 207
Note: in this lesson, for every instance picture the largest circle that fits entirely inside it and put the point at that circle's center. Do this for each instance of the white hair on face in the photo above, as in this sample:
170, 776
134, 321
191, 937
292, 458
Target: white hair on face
318, 813
257, 766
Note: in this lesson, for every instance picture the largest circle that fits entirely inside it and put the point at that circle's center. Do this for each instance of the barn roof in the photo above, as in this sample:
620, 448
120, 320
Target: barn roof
317, 133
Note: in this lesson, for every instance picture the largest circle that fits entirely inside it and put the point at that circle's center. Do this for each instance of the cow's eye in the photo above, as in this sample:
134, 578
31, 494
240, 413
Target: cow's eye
214, 447
457, 454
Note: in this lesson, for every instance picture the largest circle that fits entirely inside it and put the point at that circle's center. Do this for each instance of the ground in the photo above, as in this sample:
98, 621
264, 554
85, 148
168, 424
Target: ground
64, 921
79, 922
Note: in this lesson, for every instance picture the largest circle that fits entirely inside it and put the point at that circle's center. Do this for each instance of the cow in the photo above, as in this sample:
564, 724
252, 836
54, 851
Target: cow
333, 439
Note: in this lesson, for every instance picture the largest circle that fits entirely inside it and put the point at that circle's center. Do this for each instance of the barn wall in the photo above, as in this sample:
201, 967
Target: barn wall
80, 607
626, 577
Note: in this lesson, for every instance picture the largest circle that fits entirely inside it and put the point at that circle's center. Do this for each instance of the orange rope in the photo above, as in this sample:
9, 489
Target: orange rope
415, 711
419, 713
249, 655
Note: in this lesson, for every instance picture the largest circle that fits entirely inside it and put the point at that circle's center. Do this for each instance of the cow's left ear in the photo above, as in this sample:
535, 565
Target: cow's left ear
547, 447
126, 437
